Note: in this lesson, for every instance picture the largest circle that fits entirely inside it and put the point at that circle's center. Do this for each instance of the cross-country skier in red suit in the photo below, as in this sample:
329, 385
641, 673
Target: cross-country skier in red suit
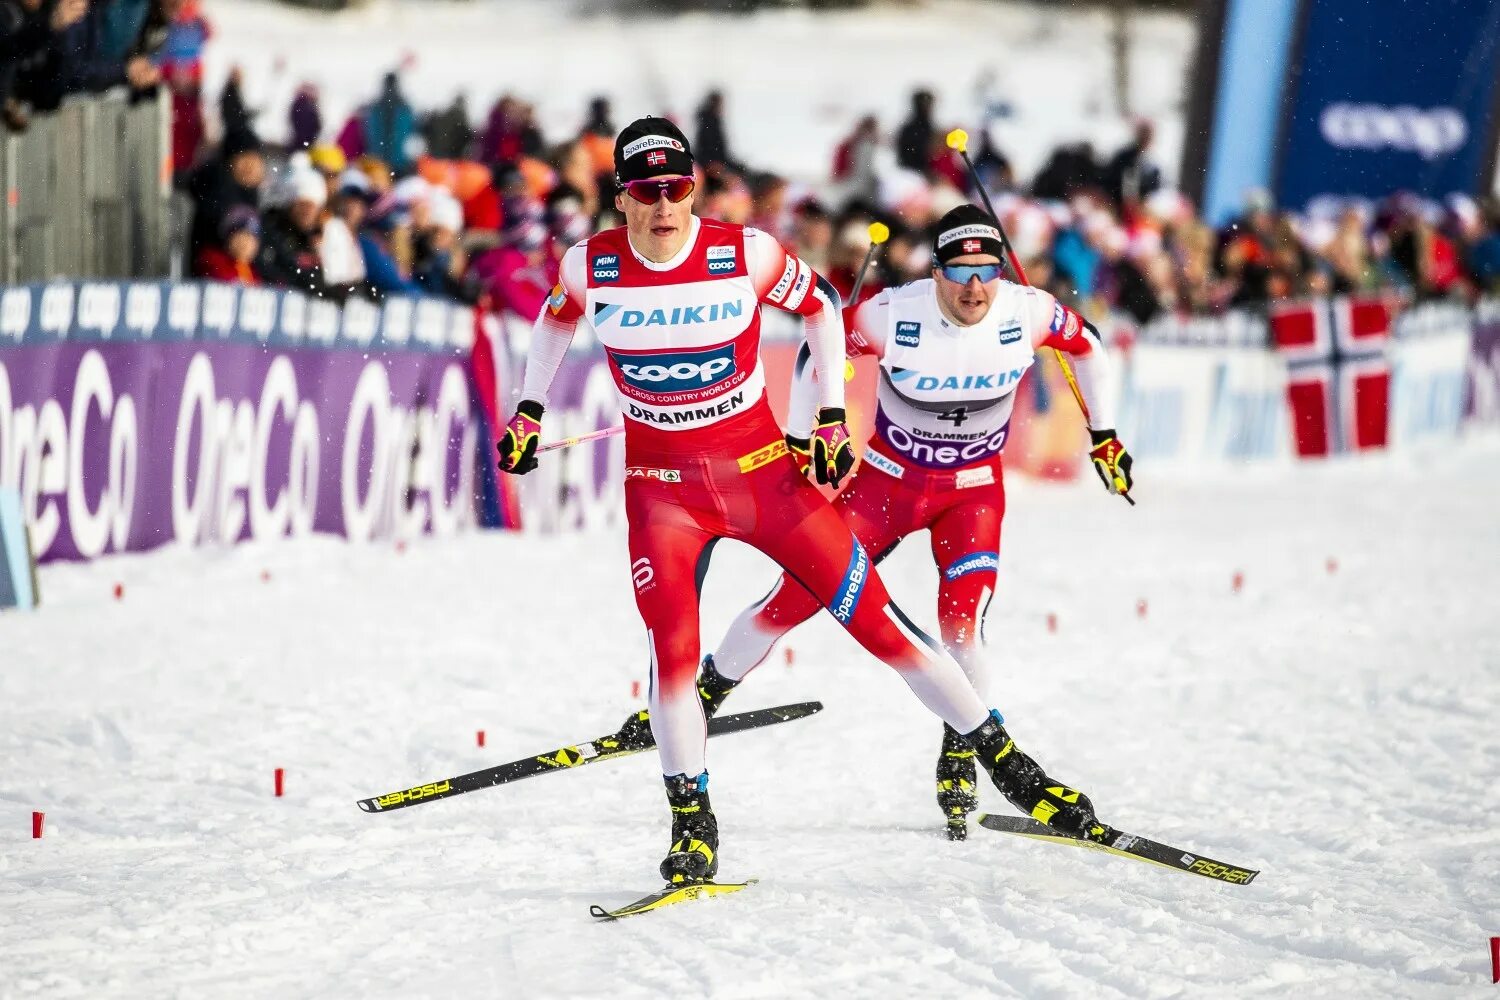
675, 301
953, 348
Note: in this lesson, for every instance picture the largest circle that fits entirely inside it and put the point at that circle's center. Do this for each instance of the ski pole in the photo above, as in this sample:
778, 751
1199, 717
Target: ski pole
581, 439
959, 139
879, 233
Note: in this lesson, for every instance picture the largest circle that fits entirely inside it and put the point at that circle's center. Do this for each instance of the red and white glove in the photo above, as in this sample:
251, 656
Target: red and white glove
517, 445
832, 451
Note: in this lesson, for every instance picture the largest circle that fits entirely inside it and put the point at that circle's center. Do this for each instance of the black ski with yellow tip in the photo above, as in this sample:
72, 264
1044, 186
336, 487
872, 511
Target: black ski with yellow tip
1126, 845
668, 896
570, 757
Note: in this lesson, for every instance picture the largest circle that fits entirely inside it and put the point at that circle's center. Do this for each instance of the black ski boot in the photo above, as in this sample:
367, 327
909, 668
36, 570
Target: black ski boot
713, 687
636, 733
1023, 782
956, 793
694, 856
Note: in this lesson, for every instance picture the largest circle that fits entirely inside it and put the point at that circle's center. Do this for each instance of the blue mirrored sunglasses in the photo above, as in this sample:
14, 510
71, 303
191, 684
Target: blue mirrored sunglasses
961, 273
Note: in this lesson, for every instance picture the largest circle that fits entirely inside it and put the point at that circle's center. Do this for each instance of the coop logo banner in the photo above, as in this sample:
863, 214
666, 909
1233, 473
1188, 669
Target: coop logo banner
1420, 120
1431, 133
677, 371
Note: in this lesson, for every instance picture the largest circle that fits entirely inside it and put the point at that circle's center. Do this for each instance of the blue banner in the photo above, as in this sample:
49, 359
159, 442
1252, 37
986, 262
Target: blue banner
1253, 55
1390, 95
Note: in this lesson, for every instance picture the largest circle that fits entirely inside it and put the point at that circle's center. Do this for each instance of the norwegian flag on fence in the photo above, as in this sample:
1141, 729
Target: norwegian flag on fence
1338, 372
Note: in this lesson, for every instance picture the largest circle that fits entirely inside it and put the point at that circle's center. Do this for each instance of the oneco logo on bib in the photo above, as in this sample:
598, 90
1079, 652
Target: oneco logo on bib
941, 454
676, 371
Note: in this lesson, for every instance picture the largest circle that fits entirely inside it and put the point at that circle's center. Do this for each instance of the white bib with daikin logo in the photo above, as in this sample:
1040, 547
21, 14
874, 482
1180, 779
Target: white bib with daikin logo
946, 391
682, 339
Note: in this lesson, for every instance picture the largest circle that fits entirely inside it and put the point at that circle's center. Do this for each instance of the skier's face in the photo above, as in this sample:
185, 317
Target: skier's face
966, 303
657, 230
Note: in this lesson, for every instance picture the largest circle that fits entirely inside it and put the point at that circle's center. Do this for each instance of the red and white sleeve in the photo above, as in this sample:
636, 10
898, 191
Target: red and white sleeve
865, 331
1052, 324
555, 325
787, 282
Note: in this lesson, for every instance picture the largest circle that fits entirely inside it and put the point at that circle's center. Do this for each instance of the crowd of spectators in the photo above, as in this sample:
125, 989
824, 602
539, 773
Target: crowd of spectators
403, 200
50, 49
397, 199
1107, 234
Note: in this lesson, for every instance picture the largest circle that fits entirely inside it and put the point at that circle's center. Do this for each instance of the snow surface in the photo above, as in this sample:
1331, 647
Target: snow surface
1336, 730
795, 82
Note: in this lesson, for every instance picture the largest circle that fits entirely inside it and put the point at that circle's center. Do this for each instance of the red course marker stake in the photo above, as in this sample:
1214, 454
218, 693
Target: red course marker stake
1238, 583
635, 689
37, 820
1494, 955
1333, 565
280, 781
119, 591
790, 655
479, 737
1140, 608
1051, 621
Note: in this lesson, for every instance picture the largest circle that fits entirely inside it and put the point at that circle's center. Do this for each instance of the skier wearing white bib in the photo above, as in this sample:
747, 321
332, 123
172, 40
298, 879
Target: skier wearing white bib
953, 348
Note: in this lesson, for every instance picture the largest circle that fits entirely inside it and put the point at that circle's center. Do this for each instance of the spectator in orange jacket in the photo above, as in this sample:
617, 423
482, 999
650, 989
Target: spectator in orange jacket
234, 261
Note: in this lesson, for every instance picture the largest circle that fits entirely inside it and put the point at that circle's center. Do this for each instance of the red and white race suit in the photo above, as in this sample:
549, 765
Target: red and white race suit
943, 412
705, 458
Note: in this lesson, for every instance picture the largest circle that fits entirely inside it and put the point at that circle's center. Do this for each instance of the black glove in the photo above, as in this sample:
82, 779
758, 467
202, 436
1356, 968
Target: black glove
517, 445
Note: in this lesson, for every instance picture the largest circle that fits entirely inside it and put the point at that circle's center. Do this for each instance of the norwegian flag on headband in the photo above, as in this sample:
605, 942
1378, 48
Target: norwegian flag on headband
972, 246
656, 158
1338, 374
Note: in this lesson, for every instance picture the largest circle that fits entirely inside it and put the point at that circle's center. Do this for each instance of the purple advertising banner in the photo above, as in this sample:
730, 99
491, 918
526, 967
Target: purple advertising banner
217, 418
580, 487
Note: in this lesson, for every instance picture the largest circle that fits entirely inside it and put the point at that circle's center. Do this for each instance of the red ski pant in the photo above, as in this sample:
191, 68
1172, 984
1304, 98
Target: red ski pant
882, 509
749, 489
